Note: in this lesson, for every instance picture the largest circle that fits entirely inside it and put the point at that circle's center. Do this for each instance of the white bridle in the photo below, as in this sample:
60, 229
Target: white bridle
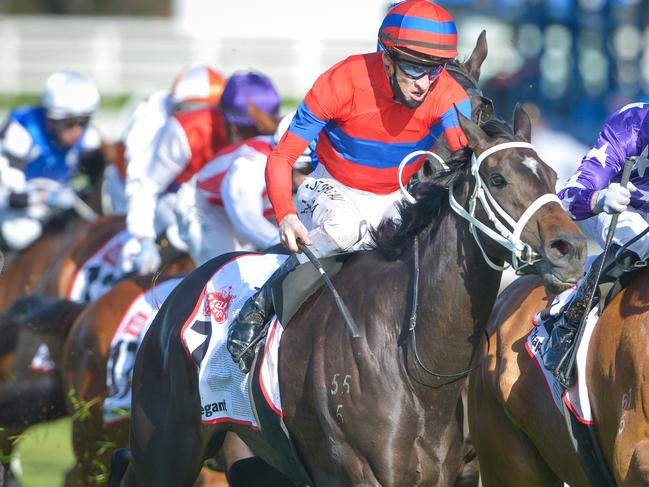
522, 253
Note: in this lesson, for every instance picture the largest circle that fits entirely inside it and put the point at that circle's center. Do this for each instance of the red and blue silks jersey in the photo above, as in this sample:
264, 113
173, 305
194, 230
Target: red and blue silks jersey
364, 133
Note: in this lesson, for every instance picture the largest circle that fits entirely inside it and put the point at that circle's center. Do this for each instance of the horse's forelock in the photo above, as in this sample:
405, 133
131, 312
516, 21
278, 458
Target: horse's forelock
500, 129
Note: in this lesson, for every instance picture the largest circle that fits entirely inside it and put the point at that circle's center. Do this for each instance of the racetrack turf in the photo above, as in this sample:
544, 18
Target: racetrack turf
46, 454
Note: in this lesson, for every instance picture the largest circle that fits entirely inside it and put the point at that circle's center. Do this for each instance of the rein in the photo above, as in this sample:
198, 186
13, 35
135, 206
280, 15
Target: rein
412, 325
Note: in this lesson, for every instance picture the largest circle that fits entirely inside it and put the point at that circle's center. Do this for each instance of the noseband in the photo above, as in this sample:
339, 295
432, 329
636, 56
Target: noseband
522, 253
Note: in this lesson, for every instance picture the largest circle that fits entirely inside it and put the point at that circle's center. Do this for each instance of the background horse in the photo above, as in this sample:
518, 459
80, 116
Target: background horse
520, 435
394, 423
29, 396
78, 336
83, 368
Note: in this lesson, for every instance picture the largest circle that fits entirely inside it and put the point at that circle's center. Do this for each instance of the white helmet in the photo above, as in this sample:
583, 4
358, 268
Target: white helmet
69, 94
305, 158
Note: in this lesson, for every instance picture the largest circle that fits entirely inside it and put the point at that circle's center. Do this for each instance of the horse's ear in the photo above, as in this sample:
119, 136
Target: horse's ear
265, 122
477, 57
477, 137
522, 123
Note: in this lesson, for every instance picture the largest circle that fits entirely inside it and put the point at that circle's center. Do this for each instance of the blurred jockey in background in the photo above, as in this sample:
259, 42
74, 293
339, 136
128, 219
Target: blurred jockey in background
168, 140
189, 139
228, 210
198, 86
49, 156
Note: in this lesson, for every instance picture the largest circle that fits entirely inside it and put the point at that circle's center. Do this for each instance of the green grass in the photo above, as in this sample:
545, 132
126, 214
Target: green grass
46, 454
7, 102
108, 102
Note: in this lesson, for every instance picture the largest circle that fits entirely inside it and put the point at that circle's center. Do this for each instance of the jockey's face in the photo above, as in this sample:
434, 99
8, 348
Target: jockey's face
68, 131
410, 82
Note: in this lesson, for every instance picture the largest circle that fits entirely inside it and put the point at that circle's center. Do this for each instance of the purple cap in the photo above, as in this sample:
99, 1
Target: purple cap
246, 86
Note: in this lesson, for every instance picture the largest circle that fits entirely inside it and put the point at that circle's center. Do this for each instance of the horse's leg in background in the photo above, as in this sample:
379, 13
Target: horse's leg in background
507, 457
23, 404
93, 443
8, 439
470, 473
244, 468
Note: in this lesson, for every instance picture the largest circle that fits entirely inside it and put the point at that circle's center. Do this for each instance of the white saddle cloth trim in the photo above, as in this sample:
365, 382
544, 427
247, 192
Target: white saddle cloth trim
576, 397
223, 388
269, 376
124, 345
98, 274
42, 361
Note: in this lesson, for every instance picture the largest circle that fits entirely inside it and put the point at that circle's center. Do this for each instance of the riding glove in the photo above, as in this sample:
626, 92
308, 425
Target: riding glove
141, 256
615, 198
62, 198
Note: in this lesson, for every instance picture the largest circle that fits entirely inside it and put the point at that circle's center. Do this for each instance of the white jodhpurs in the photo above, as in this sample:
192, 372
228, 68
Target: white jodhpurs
630, 223
206, 228
339, 217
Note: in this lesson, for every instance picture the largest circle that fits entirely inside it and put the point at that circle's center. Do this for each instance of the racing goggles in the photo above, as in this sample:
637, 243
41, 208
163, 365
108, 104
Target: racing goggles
417, 71
68, 123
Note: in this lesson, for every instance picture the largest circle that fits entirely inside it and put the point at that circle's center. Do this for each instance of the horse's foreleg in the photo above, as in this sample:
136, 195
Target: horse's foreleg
507, 457
26, 403
638, 474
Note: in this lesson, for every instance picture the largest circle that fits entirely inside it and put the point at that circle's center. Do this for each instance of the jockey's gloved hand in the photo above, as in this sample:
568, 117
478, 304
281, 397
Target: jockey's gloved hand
141, 256
615, 198
149, 259
62, 198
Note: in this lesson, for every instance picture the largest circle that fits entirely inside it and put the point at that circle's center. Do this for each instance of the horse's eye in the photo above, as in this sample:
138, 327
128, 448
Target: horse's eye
496, 180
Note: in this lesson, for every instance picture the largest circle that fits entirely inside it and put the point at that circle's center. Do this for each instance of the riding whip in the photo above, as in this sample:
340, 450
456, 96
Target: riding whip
84, 210
565, 369
349, 320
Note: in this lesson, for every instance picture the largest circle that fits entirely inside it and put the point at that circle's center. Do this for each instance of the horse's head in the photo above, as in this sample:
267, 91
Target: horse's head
515, 194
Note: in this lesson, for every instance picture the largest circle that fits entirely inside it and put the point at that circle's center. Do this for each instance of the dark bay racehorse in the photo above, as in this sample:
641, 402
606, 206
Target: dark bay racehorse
519, 433
365, 411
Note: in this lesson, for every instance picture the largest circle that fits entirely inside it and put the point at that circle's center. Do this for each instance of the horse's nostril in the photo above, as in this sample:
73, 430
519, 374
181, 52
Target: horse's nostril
562, 247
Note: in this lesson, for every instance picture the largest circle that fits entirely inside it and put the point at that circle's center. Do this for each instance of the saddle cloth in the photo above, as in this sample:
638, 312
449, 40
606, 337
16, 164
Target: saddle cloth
98, 274
225, 390
124, 346
576, 397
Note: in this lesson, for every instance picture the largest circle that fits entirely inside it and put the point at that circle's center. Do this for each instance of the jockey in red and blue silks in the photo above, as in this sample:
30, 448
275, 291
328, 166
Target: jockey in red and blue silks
41, 149
368, 112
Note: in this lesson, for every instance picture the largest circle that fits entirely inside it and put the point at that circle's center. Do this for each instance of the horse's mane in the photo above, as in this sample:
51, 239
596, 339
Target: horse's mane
392, 235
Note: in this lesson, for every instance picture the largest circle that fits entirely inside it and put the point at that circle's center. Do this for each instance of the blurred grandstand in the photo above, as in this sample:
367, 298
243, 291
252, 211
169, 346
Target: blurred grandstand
575, 59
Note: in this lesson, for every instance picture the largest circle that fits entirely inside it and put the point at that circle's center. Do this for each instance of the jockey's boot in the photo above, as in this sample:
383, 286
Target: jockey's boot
246, 330
557, 348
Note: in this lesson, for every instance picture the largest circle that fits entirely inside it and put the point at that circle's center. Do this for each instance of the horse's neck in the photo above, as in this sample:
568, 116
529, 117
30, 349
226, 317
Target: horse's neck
457, 291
